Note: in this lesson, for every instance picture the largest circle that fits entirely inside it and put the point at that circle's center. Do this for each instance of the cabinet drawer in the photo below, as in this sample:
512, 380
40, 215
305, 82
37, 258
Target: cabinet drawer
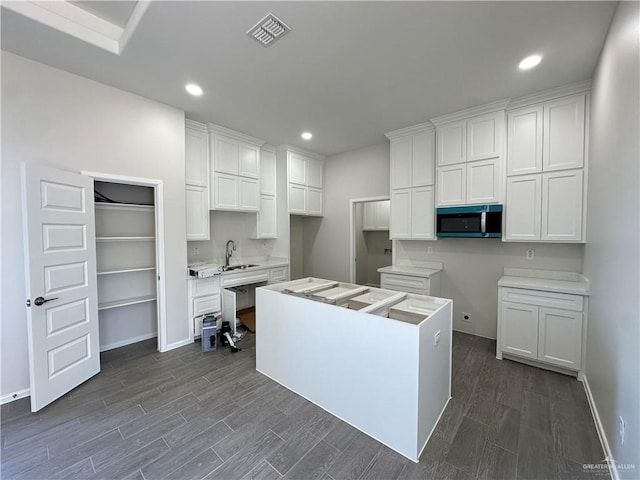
278, 274
206, 304
206, 286
564, 301
405, 283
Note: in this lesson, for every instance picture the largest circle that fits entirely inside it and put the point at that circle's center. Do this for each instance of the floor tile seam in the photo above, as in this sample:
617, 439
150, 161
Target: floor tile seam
30, 437
368, 468
74, 447
327, 467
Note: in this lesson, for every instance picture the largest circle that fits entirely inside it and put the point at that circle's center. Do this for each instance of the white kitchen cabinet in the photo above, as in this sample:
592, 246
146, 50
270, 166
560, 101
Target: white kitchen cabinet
469, 159
376, 215
412, 157
564, 133
305, 177
400, 158
540, 324
197, 206
197, 180
524, 140
266, 218
422, 285
412, 214
234, 170
562, 201
545, 207
268, 172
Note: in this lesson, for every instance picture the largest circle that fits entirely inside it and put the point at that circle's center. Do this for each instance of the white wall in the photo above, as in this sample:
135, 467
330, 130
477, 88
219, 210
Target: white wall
612, 254
68, 122
360, 174
473, 266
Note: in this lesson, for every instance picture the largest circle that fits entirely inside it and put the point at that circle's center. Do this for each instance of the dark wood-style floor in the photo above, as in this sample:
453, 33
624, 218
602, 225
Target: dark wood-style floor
188, 415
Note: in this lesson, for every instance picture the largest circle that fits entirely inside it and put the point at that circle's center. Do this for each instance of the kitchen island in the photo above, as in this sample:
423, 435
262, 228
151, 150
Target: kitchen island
378, 359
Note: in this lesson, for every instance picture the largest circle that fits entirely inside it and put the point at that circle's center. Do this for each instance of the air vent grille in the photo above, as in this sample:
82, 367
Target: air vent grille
268, 30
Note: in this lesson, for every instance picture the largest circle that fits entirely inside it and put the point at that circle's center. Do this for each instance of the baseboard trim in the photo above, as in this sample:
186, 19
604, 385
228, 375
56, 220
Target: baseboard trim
613, 471
179, 344
15, 396
129, 341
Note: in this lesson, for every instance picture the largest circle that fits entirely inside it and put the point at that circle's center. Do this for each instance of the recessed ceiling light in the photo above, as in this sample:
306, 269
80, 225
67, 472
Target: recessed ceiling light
307, 135
193, 89
530, 62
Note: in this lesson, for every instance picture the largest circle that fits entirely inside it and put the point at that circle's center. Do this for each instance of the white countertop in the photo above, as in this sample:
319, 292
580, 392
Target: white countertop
261, 264
411, 271
545, 280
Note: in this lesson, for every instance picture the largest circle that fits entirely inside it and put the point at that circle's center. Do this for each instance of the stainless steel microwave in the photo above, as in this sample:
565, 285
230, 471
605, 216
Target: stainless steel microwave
475, 221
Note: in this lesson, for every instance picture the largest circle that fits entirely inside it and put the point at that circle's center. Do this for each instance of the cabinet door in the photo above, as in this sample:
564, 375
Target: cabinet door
401, 153
423, 159
314, 173
266, 218
564, 126
225, 191
268, 171
519, 329
249, 160
249, 194
297, 168
229, 308
196, 158
278, 274
560, 337
452, 185
369, 216
484, 136
483, 182
422, 213
562, 205
297, 199
382, 214
523, 208
524, 141
314, 201
225, 154
451, 143
197, 213
400, 221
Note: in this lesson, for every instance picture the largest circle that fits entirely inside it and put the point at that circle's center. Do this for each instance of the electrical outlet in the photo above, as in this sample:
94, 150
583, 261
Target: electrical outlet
429, 250
621, 428
436, 338
466, 317
196, 251
530, 254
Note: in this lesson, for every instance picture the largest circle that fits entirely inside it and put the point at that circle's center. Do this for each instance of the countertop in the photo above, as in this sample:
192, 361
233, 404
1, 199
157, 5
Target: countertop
261, 264
425, 272
545, 280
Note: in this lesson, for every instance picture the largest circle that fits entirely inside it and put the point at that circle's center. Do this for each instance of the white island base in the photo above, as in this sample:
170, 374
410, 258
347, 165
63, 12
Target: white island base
389, 378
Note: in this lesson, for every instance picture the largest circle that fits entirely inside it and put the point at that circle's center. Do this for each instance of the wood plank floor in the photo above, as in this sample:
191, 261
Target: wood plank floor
188, 415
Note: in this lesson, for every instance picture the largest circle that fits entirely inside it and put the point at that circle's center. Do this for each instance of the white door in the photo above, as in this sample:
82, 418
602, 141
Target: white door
197, 216
400, 162
562, 206
229, 308
400, 221
484, 137
62, 319
314, 201
483, 182
422, 213
563, 134
519, 325
452, 185
423, 159
560, 337
524, 141
451, 143
523, 208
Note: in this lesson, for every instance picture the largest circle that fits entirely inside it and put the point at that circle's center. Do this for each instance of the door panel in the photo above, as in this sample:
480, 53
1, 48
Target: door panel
59, 236
229, 307
519, 325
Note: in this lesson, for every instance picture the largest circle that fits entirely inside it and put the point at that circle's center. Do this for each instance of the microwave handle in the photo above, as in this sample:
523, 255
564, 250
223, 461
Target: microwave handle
483, 223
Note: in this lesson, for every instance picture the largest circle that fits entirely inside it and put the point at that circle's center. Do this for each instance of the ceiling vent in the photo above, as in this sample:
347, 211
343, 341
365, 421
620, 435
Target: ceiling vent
268, 30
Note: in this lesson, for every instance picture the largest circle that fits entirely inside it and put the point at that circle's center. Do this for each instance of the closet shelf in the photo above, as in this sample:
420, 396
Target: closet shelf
111, 271
125, 239
126, 301
122, 206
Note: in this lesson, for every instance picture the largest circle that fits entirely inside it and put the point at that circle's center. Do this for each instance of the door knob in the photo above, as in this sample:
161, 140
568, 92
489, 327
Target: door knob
41, 301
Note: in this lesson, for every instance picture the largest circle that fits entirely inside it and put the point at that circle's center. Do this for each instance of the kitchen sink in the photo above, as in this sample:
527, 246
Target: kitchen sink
238, 267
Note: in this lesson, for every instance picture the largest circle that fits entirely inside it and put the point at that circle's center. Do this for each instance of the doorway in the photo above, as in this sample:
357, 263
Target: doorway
370, 246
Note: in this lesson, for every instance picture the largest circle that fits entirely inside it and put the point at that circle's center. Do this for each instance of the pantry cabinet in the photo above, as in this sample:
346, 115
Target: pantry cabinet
197, 180
305, 181
234, 170
546, 169
266, 218
469, 156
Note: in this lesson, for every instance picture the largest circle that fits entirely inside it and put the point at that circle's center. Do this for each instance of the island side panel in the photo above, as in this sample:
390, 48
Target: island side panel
360, 367
434, 375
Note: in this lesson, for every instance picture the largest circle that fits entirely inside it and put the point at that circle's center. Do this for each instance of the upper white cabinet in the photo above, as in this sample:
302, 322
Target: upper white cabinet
469, 156
305, 180
546, 167
376, 215
412, 176
266, 218
197, 180
235, 170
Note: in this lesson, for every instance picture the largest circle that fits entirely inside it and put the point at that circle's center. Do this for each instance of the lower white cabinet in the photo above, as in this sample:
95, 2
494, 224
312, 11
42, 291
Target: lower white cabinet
541, 326
545, 207
412, 214
411, 283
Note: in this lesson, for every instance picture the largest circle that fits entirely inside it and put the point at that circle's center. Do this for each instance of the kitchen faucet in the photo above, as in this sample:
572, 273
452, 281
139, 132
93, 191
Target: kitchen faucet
228, 253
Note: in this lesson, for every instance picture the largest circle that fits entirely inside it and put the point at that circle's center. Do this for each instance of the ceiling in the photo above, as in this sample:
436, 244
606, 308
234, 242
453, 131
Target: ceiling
347, 71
